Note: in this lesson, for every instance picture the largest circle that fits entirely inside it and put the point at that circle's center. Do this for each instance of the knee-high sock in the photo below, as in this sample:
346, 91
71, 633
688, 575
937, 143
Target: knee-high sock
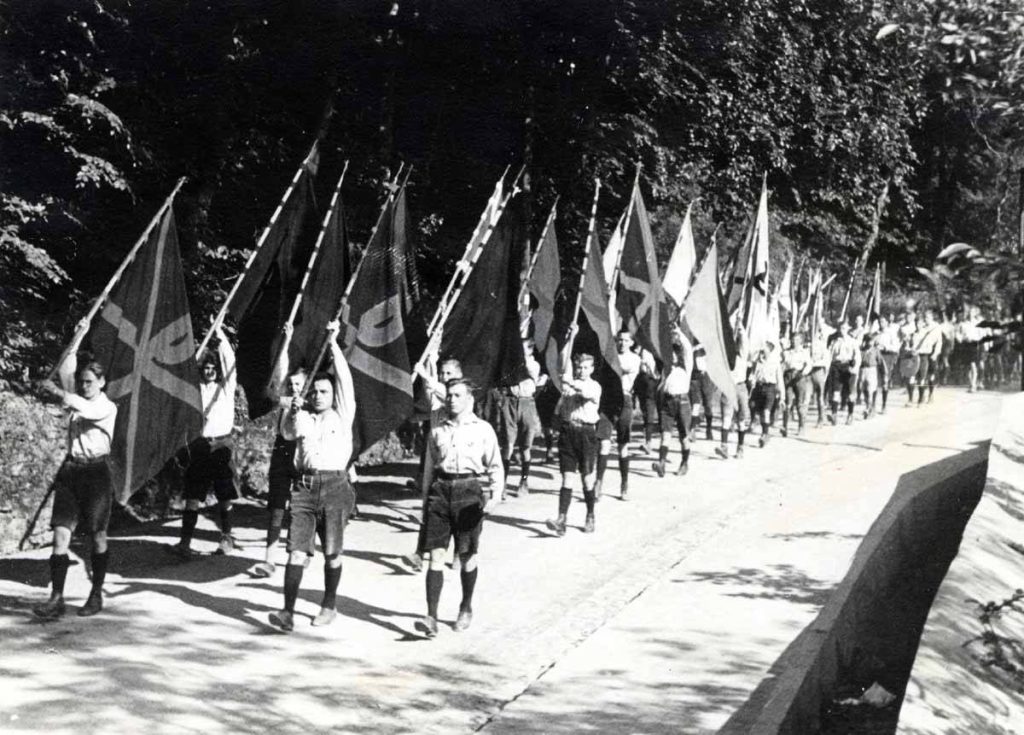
739, 438
526, 469
274, 528
292, 580
725, 436
707, 422
590, 498
58, 572
602, 465
225, 516
188, 525
663, 453
468, 585
885, 397
435, 581
686, 455
624, 468
99, 569
564, 500
332, 577
505, 462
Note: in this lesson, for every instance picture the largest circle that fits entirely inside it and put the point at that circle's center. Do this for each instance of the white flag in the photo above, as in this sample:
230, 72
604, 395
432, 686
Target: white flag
676, 281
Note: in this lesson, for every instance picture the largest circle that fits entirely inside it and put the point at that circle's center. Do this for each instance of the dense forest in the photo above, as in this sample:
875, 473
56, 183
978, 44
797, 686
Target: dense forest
887, 129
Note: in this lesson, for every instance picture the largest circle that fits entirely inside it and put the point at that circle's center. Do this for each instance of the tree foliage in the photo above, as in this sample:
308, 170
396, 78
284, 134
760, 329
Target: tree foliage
105, 104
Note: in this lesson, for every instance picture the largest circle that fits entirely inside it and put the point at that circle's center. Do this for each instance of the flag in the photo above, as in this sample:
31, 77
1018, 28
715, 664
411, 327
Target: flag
756, 318
558, 336
610, 259
595, 312
328, 276
267, 290
143, 338
543, 285
680, 266
707, 318
784, 294
376, 320
640, 299
482, 328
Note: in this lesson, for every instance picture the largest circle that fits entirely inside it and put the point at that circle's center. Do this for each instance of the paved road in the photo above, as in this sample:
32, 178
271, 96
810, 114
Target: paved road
666, 619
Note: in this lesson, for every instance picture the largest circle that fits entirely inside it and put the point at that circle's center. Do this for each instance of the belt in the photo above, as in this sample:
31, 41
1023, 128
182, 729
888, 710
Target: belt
449, 476
890, 352
582, 424
324, 473
216, 438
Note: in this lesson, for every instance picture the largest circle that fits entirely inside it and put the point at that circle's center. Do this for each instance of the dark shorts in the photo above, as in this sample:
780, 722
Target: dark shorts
210, 466
886, 369
455, 508
83, 496
925, 371
515, 420
763, 396
675, 412
702, 391
624, 425
577, 448
645, 391
604, 429
843, 380
321, 504
281, 474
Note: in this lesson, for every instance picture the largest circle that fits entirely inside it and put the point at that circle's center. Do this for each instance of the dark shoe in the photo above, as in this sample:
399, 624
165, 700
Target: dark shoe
413, 561
722, 451
832, 419
684, 467
659, 467
762, 440
326, 616
427, 626
51, 609
556, 526
283, 620
181, 551
588, 525
92, 606
709, 436
263, 570
464, 620
785, 433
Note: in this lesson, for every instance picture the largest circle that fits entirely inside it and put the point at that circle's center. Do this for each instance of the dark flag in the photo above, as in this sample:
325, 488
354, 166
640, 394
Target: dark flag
874, 310
375, 319
707, 318
482, 329
322, 295
267, 290
640, 299
143, 337
595, 308
543, 285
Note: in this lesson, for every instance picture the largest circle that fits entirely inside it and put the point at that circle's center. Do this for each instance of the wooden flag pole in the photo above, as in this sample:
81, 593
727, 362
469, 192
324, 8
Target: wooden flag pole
86, 321
392, 187
441, 316
849, 291
536, 255
219, 319
613, 277
316, 248
591, 228
465, 264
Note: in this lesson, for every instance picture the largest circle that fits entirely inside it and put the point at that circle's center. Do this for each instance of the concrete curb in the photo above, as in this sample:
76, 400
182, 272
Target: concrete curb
803, 680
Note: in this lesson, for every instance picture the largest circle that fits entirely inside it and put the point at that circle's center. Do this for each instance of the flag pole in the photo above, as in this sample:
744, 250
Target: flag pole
464, 269
591, 227
613, 277
219, 319
85, 322
464, 265
540, 244
849, 291
393, 188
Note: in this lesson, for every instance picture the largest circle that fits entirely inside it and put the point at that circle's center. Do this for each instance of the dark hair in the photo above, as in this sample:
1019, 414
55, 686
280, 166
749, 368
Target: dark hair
449, 361
300, 370
323, 376
93, 366
581, 357
460, 381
